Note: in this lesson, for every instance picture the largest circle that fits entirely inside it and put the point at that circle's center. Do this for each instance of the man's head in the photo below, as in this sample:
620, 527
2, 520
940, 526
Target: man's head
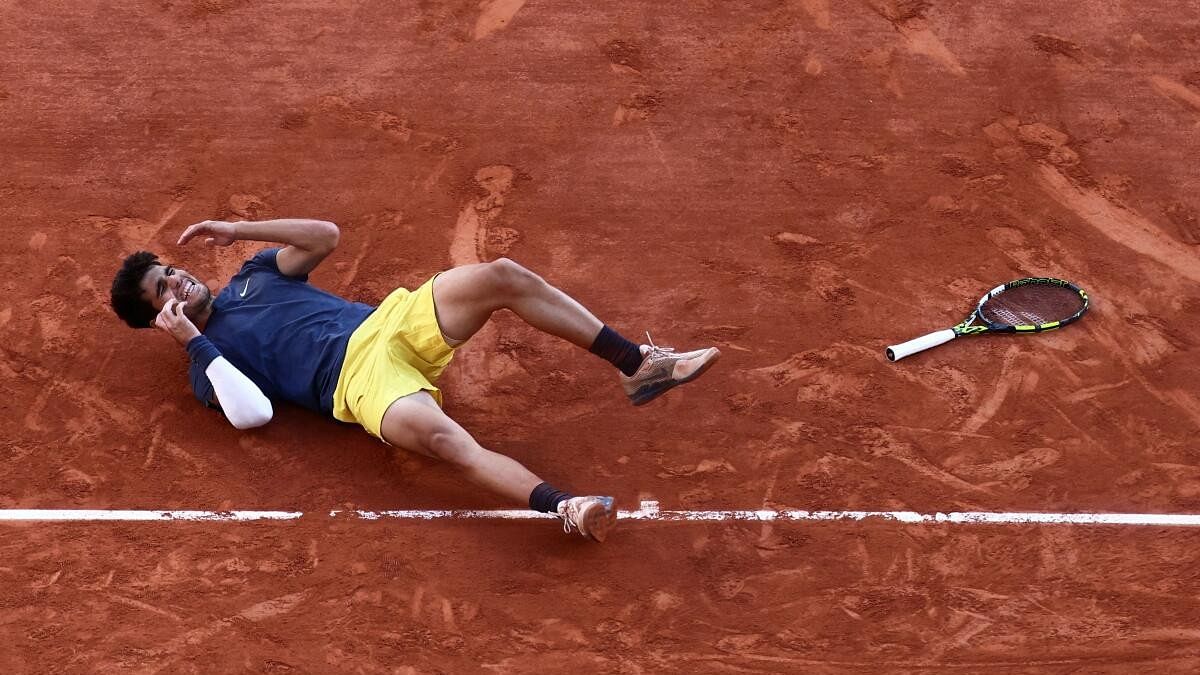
143, 285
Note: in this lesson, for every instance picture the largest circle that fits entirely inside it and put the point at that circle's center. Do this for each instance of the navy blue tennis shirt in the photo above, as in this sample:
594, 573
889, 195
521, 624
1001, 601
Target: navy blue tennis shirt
286, 335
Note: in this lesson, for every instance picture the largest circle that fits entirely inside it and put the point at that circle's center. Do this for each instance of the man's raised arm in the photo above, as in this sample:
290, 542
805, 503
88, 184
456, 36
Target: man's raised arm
307, 242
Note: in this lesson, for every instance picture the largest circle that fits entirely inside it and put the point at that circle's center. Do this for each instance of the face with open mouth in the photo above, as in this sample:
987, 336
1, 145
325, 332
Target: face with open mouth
164, 282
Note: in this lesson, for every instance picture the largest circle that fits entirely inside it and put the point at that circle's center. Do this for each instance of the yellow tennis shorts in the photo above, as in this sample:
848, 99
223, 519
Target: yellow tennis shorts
399, 350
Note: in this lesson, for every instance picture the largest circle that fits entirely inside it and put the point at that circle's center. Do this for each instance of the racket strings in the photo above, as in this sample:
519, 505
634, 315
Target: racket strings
1032, 305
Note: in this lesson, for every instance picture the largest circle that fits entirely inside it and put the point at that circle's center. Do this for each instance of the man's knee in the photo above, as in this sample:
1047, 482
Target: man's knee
511, 278
449, 445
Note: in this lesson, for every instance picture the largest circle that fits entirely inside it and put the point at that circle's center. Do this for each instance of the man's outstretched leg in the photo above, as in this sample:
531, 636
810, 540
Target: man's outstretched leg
466, 297
417, 424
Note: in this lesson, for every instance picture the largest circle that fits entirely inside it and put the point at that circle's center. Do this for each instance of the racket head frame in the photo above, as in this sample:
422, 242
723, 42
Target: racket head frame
970, 327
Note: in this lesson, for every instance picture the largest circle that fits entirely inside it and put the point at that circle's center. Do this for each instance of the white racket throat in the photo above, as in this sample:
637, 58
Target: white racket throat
897, 352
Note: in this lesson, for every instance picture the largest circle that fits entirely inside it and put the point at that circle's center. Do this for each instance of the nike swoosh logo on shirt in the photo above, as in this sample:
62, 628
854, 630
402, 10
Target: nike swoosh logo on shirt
246, 288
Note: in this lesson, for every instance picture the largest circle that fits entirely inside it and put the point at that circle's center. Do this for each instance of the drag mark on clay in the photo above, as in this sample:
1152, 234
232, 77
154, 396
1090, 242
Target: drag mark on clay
254, 613
1175, 398
974, 626
1089, 393
940, 432
482, 365
659, 153
766, 538
351, 272
133, 233
470, 232
910, 22
903, 453
819, 11
138, 604
989, 407
353, 115
169, 213
495, 14
415, 604
921, 40
448, 616
1175, 91
1059, 46
1023, 464
1069, 421
435, 175
1181, 399
637, 108
1121, 225
33, 415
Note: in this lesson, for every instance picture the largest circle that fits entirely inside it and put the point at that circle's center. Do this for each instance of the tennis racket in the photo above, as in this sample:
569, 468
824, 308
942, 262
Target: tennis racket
1023, 306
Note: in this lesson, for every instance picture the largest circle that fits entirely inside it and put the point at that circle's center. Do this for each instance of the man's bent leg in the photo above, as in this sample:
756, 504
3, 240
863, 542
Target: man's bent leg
466, 297
417, 424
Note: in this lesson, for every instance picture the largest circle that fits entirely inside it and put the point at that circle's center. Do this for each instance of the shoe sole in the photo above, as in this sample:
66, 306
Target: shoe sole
644, 396
598, 522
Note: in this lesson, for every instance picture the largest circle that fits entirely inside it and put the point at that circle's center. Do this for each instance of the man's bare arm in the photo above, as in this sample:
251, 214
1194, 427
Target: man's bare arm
306, 242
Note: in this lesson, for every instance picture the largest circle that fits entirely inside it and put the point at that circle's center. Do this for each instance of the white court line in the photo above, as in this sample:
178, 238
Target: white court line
649, 511
87, 515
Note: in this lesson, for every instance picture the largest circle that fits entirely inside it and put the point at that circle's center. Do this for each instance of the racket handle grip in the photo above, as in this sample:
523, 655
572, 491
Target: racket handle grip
897, 352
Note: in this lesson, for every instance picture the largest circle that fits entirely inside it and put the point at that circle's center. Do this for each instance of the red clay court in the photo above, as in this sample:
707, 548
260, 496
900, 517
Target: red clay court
798, 183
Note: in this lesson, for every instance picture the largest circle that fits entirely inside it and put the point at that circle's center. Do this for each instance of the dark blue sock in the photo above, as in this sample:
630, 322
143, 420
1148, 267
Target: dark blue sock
545, 498
610, 346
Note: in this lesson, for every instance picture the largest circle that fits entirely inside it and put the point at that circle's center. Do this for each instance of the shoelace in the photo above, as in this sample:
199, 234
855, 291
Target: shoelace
566, 518
656, 350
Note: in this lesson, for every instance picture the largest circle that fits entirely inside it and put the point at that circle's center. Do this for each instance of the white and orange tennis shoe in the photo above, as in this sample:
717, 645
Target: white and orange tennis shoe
663, 368
593, 517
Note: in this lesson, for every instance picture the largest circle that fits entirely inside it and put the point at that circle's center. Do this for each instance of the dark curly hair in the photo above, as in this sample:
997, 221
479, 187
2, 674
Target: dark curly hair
127, 299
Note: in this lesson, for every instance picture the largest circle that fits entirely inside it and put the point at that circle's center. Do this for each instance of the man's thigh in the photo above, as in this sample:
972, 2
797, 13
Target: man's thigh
412, 422
463, 301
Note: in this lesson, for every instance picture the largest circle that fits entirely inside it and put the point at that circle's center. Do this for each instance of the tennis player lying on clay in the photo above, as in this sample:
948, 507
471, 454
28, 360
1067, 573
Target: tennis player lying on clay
271, 335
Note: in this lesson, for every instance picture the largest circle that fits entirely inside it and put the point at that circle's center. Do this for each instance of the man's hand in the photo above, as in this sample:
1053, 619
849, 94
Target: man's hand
174, 321
220, 233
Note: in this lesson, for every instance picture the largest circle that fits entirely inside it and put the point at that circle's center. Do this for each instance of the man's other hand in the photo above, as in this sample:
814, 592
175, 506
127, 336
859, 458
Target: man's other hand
174, 321
219, 233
